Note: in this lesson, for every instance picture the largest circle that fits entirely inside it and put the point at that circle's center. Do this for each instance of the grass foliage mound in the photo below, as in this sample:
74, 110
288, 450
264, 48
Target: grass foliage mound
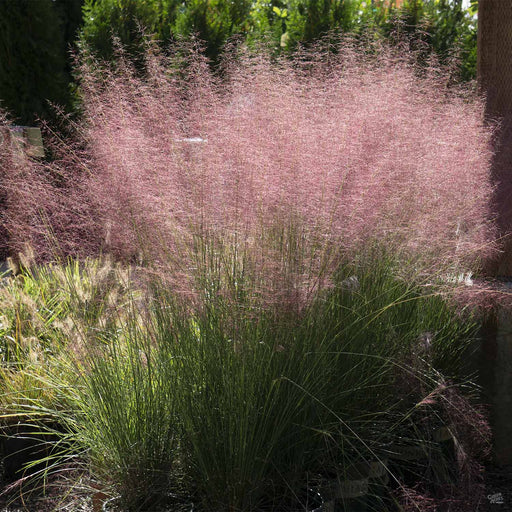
284, 321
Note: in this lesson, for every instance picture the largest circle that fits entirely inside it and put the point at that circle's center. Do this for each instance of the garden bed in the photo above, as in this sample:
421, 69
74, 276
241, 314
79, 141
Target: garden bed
264, 320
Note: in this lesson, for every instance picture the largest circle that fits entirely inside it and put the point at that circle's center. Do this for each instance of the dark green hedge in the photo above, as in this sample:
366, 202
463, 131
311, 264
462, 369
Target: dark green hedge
35, 66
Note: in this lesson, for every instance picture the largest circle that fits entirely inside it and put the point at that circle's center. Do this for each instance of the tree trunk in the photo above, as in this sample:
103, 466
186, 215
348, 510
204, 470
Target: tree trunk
495, 81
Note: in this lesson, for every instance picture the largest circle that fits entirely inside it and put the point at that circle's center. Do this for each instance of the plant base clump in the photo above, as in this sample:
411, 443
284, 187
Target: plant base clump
230, 404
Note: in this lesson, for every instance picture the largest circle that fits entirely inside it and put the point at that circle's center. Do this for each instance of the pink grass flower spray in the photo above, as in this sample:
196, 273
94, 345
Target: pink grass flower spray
283, 165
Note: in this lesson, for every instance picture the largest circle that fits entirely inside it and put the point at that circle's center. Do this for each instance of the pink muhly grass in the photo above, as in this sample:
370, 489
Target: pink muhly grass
470, 438
44, 207
287, 163
24, 191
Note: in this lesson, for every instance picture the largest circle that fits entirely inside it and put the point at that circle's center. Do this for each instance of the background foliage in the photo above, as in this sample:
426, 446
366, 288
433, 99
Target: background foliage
34, 64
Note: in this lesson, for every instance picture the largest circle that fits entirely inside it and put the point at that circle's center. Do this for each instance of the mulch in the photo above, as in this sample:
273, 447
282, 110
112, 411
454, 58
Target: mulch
497, 498
498, 488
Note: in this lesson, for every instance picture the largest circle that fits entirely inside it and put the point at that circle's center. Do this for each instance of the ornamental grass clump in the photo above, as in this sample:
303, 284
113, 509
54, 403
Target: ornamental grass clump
298, 221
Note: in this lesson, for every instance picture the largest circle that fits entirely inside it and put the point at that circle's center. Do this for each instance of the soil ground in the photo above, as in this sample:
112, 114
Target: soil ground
498, 497
498, 488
